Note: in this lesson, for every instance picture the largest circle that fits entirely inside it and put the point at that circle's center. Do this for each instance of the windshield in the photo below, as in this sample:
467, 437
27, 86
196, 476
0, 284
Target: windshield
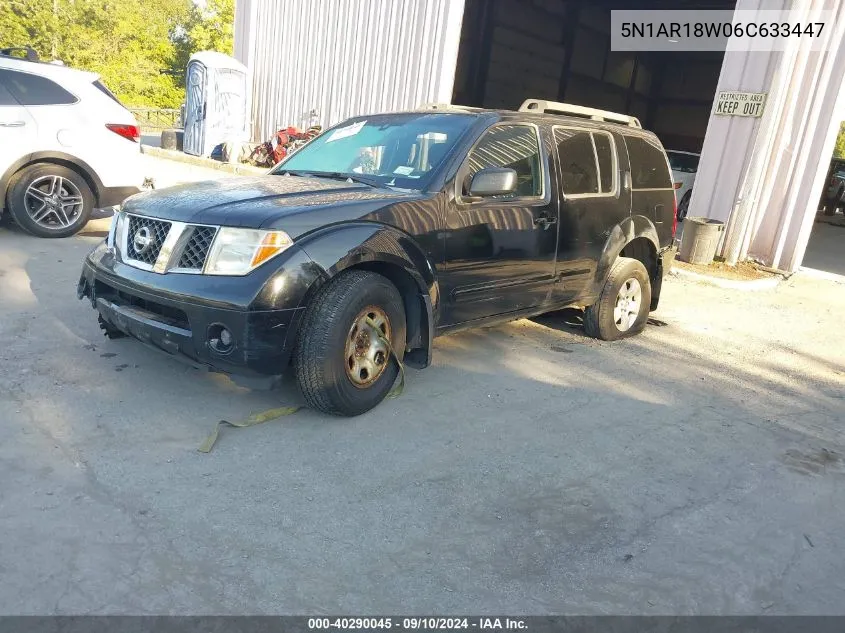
684, 163
396, 150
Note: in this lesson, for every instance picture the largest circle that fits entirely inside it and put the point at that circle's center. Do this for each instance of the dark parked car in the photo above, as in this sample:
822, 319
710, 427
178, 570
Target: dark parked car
389, 230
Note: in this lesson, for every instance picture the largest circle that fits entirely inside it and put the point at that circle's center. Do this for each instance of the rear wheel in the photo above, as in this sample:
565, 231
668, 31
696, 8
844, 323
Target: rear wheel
50, 200
623, 305
343, 365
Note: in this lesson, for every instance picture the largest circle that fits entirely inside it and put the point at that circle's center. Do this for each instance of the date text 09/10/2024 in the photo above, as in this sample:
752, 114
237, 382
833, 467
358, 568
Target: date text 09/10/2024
416, 623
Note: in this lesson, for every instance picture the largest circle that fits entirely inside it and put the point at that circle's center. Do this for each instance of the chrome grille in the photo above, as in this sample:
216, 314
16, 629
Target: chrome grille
196, 249
144, 238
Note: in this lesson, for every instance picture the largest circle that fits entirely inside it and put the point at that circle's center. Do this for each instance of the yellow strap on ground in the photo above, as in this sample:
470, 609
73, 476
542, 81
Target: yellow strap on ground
274, 414
256, 418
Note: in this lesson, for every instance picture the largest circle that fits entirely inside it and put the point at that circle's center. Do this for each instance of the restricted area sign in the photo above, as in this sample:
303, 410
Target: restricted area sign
740, 103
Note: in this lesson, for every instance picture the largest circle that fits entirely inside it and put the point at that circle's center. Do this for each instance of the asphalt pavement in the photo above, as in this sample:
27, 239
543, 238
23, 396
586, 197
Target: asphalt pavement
695, 469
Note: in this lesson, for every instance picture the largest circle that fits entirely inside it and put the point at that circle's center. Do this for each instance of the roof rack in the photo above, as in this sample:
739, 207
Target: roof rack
29, 53
553, 107
445, 106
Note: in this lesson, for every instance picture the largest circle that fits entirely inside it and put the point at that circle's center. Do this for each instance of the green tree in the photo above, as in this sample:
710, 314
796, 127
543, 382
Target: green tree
28, 22
839, 148
140, 48
212, 27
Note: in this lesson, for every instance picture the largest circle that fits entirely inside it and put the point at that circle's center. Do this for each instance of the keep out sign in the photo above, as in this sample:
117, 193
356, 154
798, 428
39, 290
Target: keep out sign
740, 103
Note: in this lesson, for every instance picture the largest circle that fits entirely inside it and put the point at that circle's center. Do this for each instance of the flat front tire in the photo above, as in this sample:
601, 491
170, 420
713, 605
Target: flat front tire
342, 364
623, 305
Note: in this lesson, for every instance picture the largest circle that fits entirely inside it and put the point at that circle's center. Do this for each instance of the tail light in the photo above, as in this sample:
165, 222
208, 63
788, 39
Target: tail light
129, 132
678, 185
675, 217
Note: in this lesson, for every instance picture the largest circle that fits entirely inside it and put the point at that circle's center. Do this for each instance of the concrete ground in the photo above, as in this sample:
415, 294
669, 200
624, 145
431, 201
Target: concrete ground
151, 138
167, 173
826, 250
695, 469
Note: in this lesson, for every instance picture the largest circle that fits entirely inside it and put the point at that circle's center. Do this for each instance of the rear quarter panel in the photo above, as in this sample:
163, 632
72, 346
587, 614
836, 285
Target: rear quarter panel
116, 160
654, 202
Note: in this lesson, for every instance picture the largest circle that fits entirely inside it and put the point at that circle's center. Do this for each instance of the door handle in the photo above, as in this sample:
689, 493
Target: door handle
544, 221
12, 124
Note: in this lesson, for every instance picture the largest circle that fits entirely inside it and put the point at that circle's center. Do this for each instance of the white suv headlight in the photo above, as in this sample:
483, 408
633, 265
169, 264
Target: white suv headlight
239, 251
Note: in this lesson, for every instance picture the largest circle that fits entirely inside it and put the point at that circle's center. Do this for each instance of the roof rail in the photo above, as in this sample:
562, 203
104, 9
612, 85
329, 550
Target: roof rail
445, 106
29, 53
553, 107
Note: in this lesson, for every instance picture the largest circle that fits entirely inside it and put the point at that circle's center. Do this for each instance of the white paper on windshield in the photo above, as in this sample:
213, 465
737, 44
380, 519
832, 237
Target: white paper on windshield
345, 132
403, 170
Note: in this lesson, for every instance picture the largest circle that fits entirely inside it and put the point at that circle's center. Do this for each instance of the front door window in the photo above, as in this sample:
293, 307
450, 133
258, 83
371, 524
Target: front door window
515, 147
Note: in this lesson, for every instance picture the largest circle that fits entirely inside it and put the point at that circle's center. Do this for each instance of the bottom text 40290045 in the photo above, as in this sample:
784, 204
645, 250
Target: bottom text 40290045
416, 623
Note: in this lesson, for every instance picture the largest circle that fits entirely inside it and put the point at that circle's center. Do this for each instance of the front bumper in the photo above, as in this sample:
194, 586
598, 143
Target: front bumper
262, 339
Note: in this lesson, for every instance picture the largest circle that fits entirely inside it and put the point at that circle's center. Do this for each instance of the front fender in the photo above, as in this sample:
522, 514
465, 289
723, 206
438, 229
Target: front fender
318, 257
339, 247
287, 287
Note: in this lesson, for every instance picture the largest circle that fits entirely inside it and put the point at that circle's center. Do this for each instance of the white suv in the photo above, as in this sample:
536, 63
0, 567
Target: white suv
67, 146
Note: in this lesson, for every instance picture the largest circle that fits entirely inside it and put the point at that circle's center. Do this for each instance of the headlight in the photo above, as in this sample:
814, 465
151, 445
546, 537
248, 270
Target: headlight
238, 251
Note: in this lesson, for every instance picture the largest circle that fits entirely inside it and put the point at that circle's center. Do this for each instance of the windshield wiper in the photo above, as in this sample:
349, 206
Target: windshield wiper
336, 175
288, 172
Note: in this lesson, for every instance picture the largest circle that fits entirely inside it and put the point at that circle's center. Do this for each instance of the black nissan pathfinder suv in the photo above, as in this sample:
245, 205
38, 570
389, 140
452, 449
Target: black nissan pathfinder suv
386, 231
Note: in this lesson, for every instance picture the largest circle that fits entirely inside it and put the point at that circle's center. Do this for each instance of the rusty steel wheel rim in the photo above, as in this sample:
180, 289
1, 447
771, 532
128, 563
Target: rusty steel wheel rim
366, 354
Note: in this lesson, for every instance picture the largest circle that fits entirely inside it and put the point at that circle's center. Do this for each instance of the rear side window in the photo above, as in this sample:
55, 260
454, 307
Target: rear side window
587, 160
577, 161
649, 169
513, 146
33, 90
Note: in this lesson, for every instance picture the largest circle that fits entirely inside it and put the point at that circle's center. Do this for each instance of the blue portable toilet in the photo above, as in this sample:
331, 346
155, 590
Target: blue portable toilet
216, 102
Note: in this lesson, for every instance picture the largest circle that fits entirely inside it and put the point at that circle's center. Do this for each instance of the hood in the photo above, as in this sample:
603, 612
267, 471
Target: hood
291, 203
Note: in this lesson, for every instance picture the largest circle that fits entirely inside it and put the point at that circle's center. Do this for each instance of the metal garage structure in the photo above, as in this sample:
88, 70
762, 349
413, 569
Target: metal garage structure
324, 60
560, 50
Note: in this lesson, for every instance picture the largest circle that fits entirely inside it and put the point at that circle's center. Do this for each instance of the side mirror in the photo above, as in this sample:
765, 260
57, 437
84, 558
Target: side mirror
493, 181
